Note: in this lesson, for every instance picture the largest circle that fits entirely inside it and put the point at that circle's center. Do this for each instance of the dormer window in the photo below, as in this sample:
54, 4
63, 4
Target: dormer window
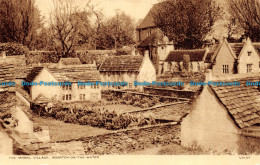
249, 53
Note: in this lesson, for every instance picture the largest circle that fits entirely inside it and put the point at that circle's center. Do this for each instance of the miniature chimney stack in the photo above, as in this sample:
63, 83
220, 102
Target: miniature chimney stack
4, 55
133, 52
146, 54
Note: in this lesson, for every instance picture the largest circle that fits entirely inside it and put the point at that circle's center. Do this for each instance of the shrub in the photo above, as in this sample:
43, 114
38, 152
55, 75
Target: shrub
13, 49
84, 120
61, 115
70, 118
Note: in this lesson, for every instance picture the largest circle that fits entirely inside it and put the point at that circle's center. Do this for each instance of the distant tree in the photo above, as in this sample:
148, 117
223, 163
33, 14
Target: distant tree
117, 31
247, 13
187, 22
19, 21
62, 27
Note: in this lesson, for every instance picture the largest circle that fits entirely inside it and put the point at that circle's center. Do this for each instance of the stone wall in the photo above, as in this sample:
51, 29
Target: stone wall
126, 141
169, 92
118, 142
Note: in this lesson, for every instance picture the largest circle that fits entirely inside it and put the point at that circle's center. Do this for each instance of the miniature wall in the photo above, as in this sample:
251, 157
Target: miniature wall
118, 142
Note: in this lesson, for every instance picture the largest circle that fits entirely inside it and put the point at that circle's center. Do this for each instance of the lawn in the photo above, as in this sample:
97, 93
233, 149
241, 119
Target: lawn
60, 131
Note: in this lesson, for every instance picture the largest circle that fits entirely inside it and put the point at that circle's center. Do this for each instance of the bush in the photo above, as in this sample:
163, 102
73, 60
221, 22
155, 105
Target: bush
61, 115
124, 51
70, 118
12, 49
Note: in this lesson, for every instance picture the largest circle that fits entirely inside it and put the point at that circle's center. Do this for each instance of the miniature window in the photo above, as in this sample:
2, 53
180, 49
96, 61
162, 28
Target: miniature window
130, 85
225, 69
63, 97
249, 53
82, 96
82, 86
249, 68
198, 67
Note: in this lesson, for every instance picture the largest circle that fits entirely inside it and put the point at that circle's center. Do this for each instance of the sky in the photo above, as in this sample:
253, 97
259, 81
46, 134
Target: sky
137, 9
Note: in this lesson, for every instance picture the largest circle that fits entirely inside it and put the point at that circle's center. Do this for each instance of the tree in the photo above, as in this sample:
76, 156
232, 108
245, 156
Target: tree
70, 26
247, 13
117, 31
19, 21
186, 22
63, 29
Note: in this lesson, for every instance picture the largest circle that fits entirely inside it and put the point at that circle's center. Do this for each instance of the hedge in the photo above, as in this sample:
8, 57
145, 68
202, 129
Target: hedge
13, 49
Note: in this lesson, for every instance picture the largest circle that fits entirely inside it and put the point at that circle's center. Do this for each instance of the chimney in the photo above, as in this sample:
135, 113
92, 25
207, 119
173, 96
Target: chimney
243, 39
4, 55
133, 52
209, 76
59, 64
146, 54
94, 62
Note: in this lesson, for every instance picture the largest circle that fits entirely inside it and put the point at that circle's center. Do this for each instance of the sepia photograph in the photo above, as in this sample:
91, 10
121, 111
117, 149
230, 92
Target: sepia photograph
91, 79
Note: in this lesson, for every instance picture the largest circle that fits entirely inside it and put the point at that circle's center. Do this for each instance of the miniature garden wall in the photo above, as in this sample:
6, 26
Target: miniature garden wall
117, 142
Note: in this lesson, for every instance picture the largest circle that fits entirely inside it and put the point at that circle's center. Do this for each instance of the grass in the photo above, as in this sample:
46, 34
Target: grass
60, 131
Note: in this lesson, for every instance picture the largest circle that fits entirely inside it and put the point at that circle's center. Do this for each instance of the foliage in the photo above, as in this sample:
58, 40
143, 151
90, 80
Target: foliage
13, 49
101, 118
187, 22
123, 51
19, 21
116, 32
64, 27
247, 15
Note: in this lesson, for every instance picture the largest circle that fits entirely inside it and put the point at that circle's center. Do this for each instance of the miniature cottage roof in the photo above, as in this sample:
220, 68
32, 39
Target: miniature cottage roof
148, 20
7, 100
195, 55
257, 46
209, 56
242, 102
237, 47
70, 61
152, 39
34, 71
86, 72
42, 99
122, 63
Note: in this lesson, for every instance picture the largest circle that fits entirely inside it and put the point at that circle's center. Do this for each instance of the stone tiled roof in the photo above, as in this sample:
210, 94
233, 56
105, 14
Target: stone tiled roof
242, 102
7, 101
152, 39
237, 47
70, 61
122, 63
177, 55
33, 72
86, 72
209, 56
257, 46
148, 20
42, 99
